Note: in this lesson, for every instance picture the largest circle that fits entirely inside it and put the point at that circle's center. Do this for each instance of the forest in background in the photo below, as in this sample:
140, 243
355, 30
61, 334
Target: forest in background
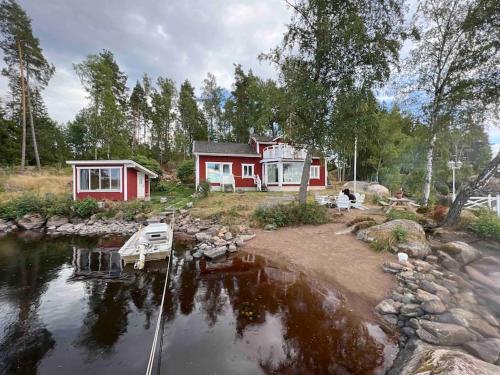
159, 119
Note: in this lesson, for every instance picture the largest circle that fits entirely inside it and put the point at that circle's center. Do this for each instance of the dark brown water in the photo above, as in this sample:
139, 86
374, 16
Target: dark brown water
68, 307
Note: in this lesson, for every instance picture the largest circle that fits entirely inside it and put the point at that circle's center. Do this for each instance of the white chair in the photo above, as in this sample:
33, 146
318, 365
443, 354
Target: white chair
343, 202
322, 200
360, 199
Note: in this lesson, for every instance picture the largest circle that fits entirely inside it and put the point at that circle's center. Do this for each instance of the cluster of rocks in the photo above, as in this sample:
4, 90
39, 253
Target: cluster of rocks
212, 240
449, 299
59, 225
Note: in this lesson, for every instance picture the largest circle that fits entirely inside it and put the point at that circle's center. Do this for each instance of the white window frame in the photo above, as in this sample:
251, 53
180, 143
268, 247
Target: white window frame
314, 175
110, 190
221, 168
243, 175
267, 174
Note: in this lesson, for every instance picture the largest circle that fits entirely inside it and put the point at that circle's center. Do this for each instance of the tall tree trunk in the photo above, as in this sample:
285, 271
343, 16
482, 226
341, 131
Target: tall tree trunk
468, 189
304, 180
32, 124
428, 170
23, 105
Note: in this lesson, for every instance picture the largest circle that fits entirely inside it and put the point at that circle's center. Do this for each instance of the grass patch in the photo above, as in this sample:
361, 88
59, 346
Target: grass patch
397, 235
487, 225
282, 215
404, 215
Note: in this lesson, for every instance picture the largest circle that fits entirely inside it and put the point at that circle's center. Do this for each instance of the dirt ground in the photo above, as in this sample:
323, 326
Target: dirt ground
340, 260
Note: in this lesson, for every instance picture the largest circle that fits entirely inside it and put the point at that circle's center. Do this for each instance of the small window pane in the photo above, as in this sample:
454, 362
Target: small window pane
292, 172
115, 178
272, 173
213, 172
225, 169
105, 179
94, 179
84, 179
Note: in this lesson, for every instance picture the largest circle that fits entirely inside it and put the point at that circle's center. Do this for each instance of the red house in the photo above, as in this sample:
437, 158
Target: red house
114, 180
265, 160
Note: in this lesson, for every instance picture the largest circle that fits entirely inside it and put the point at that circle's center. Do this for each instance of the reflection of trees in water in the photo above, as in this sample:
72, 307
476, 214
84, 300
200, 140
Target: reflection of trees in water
187, 286
24, 276
106, 318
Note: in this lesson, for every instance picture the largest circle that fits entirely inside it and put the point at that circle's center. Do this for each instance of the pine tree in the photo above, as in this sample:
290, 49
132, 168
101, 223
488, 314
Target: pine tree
192, 124
24, 58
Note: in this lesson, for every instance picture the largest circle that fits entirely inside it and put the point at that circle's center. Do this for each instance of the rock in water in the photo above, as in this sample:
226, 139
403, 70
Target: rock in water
444, 333
415, 244
487, 350
57, 221
424, 359
471, 320
387, 306
461, 251
31, 221
434, 306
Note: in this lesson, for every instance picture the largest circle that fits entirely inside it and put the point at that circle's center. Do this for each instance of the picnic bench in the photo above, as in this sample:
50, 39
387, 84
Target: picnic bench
401, 204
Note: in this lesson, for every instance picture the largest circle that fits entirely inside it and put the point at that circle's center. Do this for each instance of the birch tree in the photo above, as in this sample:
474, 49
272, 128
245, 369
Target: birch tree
330, 45
449, 69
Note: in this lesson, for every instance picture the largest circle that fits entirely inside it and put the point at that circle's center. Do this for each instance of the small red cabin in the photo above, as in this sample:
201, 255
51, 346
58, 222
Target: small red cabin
114, 180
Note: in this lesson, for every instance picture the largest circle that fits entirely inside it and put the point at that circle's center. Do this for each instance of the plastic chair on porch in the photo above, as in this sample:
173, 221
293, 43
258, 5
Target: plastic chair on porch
343, 202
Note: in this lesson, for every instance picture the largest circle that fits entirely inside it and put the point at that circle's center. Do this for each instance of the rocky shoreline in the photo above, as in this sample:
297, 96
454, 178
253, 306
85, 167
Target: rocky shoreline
210, 239
446, 305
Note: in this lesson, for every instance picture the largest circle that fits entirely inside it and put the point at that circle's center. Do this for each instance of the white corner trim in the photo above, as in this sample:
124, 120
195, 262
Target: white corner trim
74, 182
197, 170
125, 186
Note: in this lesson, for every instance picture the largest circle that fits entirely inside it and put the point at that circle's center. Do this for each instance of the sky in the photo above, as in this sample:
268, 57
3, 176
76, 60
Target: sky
178, 39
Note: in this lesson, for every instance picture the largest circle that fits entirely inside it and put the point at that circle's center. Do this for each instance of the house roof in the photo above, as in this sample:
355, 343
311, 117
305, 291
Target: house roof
128, 163
226, 149
262, 138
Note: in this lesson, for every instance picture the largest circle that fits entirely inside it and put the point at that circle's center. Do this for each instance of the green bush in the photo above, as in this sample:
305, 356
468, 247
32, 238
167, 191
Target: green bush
185, 172
204, 189
20, 206
149, 163
85, 208
58, 206
130, 209
441, 188
487, 225
282, 215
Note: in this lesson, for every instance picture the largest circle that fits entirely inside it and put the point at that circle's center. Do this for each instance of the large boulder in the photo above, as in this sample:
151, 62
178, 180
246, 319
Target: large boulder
378, 189
461, 251
444, 333
415, 244
31, 221
367, 187
421, 358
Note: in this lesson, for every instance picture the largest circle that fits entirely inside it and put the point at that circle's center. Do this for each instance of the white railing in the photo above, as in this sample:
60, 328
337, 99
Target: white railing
283, 151
489, 201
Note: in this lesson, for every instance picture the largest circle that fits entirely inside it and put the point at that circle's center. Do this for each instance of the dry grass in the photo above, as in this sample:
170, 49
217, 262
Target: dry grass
237, 208
48, 181
234, 208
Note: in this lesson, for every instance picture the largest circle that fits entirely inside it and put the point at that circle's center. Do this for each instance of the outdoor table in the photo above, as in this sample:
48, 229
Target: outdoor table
403, 203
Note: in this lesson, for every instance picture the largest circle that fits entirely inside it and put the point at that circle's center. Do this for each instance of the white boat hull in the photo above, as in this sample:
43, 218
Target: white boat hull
156, 249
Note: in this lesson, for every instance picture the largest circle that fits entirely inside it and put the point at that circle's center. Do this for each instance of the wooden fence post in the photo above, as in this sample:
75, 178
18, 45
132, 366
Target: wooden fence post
489, 201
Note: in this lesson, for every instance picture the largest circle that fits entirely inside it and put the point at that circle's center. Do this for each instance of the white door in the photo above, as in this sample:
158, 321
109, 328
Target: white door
140, 185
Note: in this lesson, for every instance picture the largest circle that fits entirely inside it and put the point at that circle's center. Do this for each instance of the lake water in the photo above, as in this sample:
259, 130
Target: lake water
68, 307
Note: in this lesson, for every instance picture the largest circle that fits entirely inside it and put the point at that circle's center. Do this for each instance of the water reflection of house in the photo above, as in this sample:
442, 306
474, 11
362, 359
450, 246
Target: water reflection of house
95, 262
278, 275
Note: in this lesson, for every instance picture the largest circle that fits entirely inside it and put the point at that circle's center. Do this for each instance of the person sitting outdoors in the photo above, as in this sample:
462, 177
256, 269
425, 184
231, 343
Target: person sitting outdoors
351, 196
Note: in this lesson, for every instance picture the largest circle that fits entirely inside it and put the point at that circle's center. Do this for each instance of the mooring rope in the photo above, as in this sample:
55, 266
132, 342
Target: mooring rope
149, 369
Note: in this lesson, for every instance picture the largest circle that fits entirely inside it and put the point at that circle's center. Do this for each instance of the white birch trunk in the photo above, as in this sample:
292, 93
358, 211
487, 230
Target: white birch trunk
428, 170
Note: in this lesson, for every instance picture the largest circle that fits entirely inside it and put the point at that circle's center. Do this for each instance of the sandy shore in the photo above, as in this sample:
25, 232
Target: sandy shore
342, 261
